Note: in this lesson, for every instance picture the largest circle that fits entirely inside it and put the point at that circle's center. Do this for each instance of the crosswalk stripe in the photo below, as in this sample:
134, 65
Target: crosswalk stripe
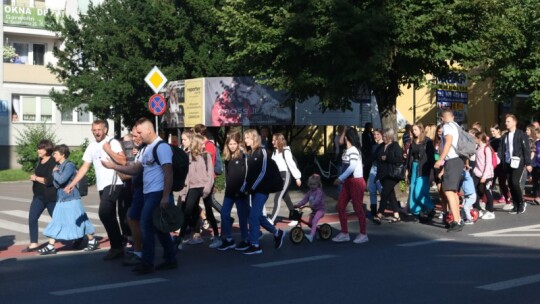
45, 218
15, 226
15, 199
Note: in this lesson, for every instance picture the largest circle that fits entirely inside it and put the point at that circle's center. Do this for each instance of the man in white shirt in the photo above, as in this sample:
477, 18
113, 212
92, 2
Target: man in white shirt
453, 167
109, 185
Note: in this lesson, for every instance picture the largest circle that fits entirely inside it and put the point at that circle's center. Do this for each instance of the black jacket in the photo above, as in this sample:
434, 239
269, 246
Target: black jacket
426, 161
394, 157
258, 178
46, 191
521, 148
235, 174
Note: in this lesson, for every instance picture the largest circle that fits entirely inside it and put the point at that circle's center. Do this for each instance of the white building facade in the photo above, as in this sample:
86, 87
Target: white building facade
26, 81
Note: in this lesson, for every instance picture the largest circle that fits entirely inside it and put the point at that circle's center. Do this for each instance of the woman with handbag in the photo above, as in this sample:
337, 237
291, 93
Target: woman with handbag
389, 172
419, 165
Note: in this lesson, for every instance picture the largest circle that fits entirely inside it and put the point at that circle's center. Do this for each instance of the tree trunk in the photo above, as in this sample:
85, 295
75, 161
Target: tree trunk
386, 101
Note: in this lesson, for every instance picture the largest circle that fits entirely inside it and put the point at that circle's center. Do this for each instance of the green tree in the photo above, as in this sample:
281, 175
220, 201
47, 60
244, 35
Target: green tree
507, 50
330, 47
106, 54
27, 142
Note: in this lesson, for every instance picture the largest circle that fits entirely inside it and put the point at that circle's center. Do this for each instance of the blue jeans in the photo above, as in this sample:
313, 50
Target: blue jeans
242, 207
151, 202
37, 207
373, 185
257, 219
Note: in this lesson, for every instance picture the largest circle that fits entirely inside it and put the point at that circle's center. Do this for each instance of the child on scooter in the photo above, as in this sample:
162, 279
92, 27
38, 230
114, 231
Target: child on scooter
315, 198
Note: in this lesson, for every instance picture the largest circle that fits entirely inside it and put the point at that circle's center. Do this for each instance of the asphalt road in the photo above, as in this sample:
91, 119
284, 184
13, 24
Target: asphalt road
490, 262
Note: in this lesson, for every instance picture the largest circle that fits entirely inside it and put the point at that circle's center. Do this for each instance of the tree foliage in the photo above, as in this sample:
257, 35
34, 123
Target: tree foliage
507, 50
330, 47
106, 54
27, 141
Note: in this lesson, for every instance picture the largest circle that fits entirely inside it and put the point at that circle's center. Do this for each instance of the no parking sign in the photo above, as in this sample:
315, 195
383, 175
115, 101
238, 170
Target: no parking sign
157, 104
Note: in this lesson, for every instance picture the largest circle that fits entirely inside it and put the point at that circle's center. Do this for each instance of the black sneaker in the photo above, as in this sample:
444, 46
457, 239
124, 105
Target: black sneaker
514, 211
167, 265
253, 250
143, 268
114, 253
522, 209
131, 259
243, 246
455, 227
226, 245
278, 240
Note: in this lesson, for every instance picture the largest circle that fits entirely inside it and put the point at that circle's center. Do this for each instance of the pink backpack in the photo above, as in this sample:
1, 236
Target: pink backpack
494, 157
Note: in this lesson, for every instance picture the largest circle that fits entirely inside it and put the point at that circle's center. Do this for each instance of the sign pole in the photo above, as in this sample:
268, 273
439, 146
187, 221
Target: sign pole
157, 128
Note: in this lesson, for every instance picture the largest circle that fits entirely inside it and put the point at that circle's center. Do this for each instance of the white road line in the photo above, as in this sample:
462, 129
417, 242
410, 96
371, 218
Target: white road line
15, 199
531, 230
421, 243
106, 286
15, 226
295, 261
511, 283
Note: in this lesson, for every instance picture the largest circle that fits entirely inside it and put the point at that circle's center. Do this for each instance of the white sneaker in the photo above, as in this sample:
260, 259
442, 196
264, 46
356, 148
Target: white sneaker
309, 238
361, 238
216, 242
488, 216
341, 237
508, 207
293, 223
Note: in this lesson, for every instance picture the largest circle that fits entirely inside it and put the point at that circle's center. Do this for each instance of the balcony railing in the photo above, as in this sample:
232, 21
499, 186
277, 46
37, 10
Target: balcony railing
30, 74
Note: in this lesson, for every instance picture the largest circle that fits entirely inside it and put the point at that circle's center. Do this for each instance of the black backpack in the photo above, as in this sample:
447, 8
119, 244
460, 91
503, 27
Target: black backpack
180, 165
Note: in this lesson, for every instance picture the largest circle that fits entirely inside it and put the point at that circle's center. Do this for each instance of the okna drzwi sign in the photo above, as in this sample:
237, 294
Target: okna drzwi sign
27, 16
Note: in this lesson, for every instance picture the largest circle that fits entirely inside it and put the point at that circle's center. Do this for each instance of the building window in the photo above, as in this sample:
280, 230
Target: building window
22, 52
39, 54
77, 115
32, 108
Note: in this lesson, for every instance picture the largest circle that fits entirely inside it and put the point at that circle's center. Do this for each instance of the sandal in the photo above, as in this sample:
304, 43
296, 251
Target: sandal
49, 249
393, 220
30, 249
377, 220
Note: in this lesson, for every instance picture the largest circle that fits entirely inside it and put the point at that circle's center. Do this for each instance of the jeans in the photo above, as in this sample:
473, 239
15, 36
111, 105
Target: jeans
374, 185
36, 209
419, 197
107, 214
242, 207
256, 218
152, 201
536, 181
353, 189
468, 202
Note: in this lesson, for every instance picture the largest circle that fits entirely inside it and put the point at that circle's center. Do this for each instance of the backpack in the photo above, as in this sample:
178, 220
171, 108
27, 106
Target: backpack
218, 166
180, 165
494, 157
273, 177
82, 185
466, 143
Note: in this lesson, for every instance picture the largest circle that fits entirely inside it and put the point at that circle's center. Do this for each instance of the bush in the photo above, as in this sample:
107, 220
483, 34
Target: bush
27, 142
76, 158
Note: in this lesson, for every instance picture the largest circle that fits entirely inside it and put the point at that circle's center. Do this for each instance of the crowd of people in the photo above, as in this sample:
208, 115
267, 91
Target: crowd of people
135, 179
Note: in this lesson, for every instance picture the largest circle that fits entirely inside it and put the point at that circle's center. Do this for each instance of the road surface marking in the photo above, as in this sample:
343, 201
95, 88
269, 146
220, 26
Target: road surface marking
15, 199
421, 243
106, 286
524, 231
295, 261
15, 226
44, 218
511, 283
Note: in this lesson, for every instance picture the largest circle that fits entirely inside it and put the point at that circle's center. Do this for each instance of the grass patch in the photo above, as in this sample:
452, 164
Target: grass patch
13, 175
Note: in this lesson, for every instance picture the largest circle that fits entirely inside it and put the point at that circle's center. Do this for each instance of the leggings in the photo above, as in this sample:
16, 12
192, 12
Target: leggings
314, 219
388, 195
353, 189
210, 217
484, 189
191, 209
286, 176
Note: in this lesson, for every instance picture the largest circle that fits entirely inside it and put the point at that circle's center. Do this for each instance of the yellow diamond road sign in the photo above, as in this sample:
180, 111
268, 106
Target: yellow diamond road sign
155, 79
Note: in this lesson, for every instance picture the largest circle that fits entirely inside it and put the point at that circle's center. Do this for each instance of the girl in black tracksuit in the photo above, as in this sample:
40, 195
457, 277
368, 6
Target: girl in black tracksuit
235, 174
